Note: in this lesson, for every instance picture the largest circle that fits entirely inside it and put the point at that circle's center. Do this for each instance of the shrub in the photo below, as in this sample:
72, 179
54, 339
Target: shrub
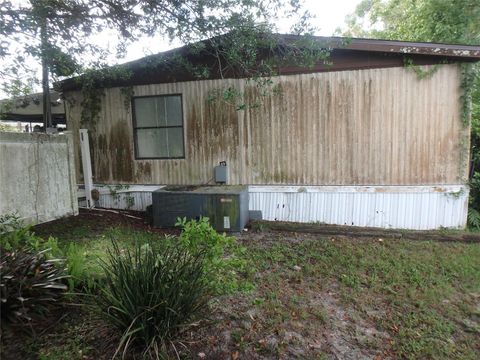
200, 235
224, 258
29, 283
152, 293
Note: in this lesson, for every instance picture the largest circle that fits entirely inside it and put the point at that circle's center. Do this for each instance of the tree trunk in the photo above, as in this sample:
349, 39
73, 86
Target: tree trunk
47, 107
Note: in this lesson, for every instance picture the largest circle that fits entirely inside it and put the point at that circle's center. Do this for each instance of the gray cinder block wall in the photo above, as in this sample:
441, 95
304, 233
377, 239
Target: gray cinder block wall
37, 176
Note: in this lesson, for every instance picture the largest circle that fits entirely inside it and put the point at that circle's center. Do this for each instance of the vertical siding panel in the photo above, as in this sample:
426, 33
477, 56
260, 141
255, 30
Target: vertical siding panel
248, 147
313, 149
375, 134
297, 113
403, 132
336, 129
273, 139
360, 123
393, 137
422, 131
413, 131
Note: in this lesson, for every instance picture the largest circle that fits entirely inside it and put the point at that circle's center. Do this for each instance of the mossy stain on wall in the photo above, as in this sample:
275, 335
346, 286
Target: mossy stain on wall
101, 161
144, 172
121, 152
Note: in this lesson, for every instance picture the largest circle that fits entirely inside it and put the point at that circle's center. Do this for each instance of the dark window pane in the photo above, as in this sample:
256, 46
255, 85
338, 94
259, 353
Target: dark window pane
175, 142
145, 112
161, 111
173, 106
152, 143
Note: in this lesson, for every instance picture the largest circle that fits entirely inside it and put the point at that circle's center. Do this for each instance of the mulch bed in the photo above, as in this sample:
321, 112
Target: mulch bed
97, 220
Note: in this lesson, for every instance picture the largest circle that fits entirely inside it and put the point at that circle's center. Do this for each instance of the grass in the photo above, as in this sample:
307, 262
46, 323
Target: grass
94, 247
428, 291
420, 298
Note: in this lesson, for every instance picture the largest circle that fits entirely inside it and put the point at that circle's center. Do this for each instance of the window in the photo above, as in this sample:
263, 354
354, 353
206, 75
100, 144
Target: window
158, 127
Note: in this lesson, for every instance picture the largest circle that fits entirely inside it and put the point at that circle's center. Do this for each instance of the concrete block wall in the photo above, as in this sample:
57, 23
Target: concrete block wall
37, 176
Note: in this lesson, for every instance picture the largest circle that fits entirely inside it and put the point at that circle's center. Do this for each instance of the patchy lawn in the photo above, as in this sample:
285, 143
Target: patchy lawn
349, 298
313, 297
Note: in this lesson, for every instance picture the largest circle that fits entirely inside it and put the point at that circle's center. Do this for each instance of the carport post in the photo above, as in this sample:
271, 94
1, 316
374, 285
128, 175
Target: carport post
87, 167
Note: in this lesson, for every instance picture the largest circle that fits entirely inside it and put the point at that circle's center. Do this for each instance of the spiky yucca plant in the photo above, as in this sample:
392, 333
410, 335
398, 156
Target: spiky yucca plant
152, 293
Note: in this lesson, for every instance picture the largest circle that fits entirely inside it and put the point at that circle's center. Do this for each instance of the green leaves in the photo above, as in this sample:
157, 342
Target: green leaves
224, 260
152, 293
473, 219
15, 237
421, 20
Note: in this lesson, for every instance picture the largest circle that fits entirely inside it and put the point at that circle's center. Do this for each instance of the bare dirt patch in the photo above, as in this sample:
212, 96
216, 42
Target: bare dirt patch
291, 314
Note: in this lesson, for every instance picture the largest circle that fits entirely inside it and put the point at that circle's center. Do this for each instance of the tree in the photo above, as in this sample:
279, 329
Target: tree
443, 21
417, 20
59, 33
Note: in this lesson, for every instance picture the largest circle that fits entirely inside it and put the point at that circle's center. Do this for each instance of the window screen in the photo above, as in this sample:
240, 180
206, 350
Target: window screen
158, 127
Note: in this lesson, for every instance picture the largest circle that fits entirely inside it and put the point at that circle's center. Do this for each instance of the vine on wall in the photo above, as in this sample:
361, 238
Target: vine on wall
127, 93
417, 69
93, 84
241, 100
466, 86
467, 83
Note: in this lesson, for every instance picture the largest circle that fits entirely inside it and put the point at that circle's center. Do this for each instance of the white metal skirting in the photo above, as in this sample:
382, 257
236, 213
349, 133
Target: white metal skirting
127, 201
401, 207
398, 207
132, 197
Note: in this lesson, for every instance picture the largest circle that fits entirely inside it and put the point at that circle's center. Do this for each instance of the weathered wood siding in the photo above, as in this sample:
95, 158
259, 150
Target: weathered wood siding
363, 127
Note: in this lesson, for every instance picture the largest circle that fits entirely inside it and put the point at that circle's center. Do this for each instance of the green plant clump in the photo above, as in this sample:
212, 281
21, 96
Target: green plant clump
224, 259
152, 293
16, 237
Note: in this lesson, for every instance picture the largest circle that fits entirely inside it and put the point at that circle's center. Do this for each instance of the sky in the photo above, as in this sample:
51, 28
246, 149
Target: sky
329, 16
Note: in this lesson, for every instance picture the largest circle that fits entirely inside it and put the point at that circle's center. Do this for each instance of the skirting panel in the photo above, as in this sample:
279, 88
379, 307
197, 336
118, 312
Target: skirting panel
126, 197
400, 207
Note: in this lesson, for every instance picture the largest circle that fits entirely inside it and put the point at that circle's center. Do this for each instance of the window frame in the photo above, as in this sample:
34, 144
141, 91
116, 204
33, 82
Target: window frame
135, 127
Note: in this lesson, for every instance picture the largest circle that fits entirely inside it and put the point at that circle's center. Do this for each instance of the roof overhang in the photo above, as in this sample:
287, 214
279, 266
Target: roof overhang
29, 108
467, 52
347, 54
